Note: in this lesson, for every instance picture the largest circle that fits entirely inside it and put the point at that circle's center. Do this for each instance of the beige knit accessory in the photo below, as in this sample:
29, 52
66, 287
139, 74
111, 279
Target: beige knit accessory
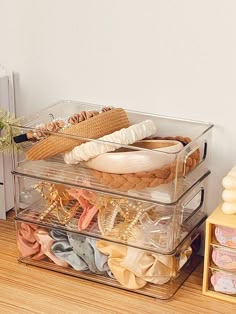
97, 126
124, 136
156, 154
141, 180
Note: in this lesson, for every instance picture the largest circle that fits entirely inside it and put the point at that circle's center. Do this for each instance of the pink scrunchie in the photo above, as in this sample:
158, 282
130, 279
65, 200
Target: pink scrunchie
46, 243
27, 243
35, 242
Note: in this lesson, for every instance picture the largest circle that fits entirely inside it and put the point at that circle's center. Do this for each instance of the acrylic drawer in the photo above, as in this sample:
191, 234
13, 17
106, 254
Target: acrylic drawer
224, 236
221, 284
223, 258
107, 262
163, 166
146, 225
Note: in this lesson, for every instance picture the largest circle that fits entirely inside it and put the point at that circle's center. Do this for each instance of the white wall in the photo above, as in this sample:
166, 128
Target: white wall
174, 58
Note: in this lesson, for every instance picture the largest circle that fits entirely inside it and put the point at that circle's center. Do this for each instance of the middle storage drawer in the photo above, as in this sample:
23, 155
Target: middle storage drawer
146, 225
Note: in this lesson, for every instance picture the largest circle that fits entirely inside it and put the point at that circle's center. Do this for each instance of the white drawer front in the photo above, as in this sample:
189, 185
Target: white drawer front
2, 203
1, 169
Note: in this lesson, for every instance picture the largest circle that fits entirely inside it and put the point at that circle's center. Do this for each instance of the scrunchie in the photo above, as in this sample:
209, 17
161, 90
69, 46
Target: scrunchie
116, 254
27, 243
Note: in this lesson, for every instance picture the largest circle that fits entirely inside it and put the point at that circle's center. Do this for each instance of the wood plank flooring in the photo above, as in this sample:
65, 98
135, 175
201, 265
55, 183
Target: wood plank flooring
28, 289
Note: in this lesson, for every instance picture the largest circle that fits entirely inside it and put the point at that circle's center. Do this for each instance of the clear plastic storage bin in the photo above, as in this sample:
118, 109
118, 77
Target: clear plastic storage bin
107, 262
141, 224
127, 153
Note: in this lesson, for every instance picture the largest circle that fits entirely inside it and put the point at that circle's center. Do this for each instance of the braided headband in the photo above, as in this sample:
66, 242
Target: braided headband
94, 127
142, 180
159, 154
125, 136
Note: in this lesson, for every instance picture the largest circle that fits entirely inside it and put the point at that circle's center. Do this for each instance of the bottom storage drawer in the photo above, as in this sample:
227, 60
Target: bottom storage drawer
222, 281
108, 262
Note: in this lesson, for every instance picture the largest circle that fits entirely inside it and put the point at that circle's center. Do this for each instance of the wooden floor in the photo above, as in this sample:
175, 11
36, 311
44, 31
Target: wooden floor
28, 289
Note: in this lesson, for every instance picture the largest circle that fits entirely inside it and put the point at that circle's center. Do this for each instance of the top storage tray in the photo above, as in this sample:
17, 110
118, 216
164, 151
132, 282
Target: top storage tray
157, 159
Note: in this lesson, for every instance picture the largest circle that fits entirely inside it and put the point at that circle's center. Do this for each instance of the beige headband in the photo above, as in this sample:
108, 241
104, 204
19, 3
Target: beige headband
159, 154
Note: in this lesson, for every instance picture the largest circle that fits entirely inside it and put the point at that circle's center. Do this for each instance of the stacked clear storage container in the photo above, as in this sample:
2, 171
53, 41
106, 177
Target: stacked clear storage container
120, 207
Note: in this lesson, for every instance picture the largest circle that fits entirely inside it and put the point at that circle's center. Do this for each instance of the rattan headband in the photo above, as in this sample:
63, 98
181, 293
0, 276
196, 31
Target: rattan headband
42, 131
125, 136
94, 127
159, 153
141, 180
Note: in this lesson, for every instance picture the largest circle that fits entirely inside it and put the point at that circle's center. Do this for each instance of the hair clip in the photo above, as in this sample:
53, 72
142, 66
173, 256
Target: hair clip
155, 230
89, 210
123, 213
58, 201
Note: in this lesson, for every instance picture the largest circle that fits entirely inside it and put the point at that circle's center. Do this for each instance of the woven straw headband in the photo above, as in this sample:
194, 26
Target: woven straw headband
94, 127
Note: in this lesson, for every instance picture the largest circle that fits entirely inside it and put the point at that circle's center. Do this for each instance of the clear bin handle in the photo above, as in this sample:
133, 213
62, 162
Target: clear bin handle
194, 210
190, 152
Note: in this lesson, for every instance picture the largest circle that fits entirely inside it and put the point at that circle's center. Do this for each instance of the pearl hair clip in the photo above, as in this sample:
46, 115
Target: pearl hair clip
58, 202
